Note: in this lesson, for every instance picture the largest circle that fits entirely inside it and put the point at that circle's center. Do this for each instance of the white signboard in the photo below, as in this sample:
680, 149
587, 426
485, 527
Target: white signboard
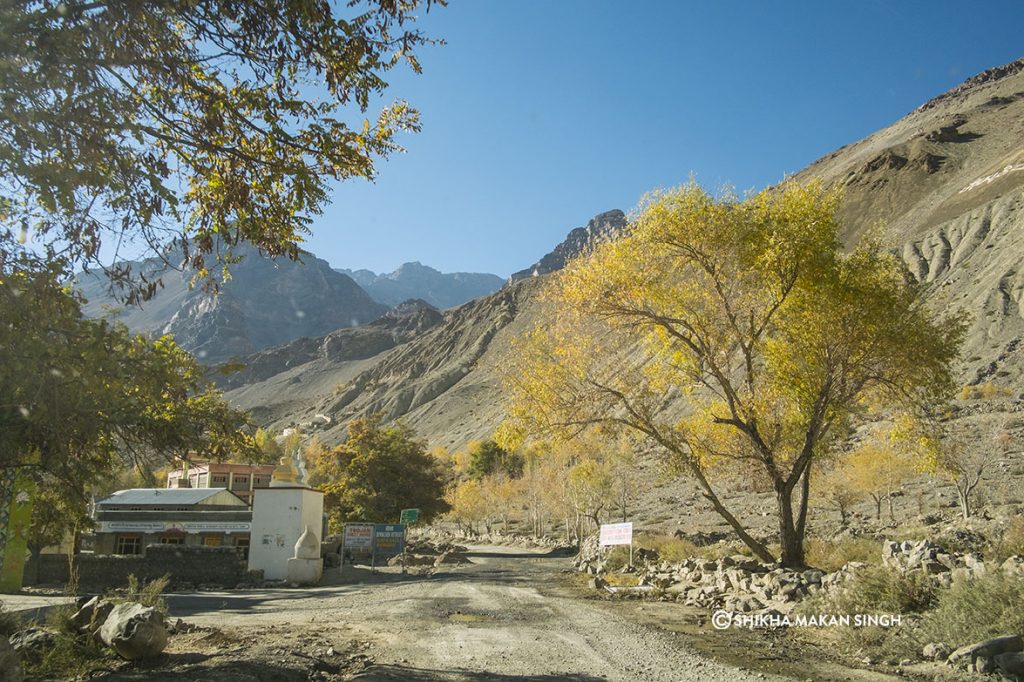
358, 536
617, 534
164, 526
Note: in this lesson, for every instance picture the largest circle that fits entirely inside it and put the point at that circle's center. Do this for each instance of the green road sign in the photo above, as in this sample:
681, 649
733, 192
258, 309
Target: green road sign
409, 516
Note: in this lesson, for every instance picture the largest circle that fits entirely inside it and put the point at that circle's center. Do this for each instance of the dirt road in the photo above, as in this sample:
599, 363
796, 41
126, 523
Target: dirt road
502, 617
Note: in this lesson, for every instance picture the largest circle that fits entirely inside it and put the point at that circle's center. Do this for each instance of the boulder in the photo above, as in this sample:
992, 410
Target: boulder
1011, 664
1013, 566
974, 563
936, 651
90, 617
979, 655
10, 663
644, 555
134, 631
32, 643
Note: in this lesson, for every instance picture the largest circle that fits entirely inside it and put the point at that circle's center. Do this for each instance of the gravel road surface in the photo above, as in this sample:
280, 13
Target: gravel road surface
497, 618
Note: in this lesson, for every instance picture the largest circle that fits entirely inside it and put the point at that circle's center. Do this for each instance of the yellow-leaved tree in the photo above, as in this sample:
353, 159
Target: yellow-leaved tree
748, 310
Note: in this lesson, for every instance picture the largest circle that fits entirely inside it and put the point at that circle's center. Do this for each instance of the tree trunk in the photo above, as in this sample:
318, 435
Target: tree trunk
790, 538
965, 503
759, 550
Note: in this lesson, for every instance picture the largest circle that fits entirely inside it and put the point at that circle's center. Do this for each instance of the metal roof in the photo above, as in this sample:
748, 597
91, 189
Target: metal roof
153, 496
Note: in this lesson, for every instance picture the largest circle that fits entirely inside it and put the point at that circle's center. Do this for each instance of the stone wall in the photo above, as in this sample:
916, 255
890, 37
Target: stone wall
188, 567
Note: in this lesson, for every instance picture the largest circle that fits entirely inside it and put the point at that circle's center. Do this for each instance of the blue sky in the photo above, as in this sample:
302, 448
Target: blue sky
539, 114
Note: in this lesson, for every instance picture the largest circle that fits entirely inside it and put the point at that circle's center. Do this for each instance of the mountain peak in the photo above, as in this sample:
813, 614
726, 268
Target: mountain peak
580, 240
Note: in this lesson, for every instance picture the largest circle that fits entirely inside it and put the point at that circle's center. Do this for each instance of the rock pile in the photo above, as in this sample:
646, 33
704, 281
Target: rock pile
942, 566
737, 583
744, 585
132, 630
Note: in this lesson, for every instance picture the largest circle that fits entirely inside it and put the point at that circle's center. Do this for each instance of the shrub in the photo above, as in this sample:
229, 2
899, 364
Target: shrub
69, 657
1011, 542
669, 548
975, 609
831, 555
148, 594
874, 590
880, 589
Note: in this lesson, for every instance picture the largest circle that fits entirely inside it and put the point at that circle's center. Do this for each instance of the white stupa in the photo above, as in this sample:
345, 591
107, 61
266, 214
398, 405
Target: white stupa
287, 520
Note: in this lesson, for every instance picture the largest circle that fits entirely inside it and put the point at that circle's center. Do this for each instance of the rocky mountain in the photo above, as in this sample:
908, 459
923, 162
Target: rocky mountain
265, 303
946, 182
415, 280
579, 240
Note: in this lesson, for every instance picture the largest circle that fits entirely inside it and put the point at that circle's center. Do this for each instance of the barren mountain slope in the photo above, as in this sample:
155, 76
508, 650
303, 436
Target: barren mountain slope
947, 182
442, 382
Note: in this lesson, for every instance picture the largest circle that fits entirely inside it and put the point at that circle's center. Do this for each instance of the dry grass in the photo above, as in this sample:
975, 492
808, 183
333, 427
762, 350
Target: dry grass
874, 590
831, 555
975, 609
1011, 543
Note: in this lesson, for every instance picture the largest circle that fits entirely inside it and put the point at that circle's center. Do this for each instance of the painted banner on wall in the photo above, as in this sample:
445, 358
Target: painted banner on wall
15, 520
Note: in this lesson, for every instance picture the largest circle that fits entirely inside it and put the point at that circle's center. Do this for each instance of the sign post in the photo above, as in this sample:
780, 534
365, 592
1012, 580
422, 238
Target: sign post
388, 541
356, 536
618, 534
408, 517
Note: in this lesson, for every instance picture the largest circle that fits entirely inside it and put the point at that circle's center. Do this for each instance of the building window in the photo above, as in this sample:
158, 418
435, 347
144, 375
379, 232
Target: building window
219, 481
202, 481
172, 540
128, 544
260, 481
240, 483
212, 541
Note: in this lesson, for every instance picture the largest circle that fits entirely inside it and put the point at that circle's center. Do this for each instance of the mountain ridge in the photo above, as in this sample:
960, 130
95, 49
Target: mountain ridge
946, 181
415, 280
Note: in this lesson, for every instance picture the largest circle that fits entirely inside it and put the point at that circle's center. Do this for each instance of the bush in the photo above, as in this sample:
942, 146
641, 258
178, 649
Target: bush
149, 594
880, 589
975, 609
69, 657
1011, 542
874, 590
669, 548
831, 555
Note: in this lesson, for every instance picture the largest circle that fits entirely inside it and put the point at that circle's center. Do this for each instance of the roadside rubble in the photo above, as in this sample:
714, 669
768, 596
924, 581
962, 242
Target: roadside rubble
744, 585
740, 584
